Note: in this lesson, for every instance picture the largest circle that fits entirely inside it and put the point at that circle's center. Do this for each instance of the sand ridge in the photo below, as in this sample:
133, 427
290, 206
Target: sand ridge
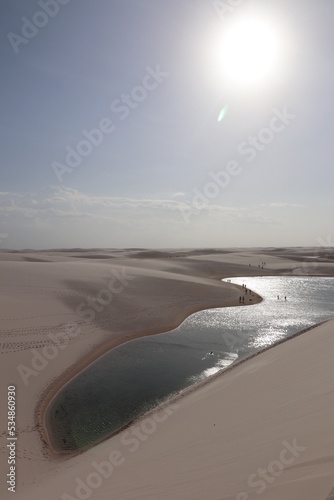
40, 293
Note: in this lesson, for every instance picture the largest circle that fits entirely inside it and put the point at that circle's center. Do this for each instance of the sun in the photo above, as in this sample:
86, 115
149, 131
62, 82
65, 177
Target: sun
250, 51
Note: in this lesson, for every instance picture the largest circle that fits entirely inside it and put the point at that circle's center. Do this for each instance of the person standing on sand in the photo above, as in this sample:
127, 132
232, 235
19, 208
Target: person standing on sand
277, 297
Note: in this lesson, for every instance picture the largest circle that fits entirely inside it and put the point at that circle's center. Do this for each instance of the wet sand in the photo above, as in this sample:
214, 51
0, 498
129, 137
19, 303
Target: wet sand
41, 293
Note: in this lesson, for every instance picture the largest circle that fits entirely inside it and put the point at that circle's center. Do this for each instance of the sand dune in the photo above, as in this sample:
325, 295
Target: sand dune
266, 426
213, 440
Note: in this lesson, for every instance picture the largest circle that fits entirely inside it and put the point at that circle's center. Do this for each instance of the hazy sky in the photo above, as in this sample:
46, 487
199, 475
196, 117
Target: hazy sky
162, 170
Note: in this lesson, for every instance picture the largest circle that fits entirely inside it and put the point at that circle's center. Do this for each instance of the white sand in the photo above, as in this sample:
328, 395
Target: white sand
219, 434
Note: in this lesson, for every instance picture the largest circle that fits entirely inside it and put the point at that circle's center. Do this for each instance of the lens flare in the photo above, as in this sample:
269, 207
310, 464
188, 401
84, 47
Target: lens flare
223, 113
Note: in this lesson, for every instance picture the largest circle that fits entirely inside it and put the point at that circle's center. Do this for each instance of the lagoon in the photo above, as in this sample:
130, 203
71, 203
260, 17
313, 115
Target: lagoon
137, 376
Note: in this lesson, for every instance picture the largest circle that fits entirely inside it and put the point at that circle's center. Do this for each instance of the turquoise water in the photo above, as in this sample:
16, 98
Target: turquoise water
135, 377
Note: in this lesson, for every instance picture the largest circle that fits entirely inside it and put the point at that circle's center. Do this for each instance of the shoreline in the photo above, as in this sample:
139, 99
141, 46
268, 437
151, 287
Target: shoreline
232, 424
237, 363
173, 399
49, 397
219, 434
281, 399
53, 389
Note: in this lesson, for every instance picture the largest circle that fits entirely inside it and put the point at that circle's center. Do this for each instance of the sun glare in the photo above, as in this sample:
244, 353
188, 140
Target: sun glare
250, 51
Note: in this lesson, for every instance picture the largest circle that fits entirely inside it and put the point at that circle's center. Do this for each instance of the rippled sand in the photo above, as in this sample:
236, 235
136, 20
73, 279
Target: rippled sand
40, 294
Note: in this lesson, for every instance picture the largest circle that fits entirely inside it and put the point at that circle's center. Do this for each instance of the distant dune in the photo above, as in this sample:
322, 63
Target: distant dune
61, 309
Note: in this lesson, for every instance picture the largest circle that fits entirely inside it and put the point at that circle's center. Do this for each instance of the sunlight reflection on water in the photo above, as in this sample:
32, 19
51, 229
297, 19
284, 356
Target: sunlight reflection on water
135, 376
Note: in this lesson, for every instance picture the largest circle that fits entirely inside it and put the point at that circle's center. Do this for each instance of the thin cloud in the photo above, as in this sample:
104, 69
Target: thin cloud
283, 205
67, 203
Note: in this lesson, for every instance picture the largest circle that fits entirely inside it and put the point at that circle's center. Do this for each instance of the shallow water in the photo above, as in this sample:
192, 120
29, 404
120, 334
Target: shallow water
136, 376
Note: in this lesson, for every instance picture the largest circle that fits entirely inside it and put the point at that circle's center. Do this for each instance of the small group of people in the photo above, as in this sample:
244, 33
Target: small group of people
278, 297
